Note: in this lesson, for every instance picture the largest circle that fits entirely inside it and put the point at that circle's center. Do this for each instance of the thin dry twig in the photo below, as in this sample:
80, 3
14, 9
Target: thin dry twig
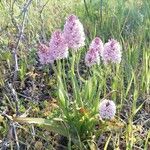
21, 30
15, 97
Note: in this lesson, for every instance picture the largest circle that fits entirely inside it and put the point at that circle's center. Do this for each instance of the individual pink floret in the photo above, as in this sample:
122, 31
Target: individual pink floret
74, 33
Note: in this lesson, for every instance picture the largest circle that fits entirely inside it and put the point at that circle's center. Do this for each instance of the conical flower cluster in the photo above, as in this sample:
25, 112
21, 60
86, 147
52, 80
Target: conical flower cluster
58, 48
107, 109
74, 33
44, 55
92, 57
97, 45
111, 52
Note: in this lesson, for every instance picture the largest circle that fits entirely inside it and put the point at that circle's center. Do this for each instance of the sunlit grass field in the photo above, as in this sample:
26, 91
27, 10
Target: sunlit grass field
56, 106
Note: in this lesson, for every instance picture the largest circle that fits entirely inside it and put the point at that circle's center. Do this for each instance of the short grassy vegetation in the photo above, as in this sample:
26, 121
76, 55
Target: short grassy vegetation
56, 106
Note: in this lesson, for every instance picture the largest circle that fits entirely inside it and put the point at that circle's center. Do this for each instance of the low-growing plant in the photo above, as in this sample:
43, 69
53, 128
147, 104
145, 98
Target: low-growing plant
83, 114
96, 97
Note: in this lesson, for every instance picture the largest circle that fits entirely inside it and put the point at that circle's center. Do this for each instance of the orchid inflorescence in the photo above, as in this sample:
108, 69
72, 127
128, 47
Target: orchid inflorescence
107, 109
73, 37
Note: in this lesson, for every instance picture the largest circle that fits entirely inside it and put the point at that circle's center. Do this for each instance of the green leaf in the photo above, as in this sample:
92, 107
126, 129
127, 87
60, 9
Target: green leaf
146, 141
55, 125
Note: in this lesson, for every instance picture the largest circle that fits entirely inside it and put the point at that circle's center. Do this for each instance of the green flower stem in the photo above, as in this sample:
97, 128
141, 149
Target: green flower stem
61, 92
75, 84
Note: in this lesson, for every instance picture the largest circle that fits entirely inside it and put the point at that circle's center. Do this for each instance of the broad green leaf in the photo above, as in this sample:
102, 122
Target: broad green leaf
56, 125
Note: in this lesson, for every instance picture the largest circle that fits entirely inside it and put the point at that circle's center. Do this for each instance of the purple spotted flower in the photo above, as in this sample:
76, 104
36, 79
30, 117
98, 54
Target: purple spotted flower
107, 109
58, 48
111, 52
74, 33
44, 55
97, 45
